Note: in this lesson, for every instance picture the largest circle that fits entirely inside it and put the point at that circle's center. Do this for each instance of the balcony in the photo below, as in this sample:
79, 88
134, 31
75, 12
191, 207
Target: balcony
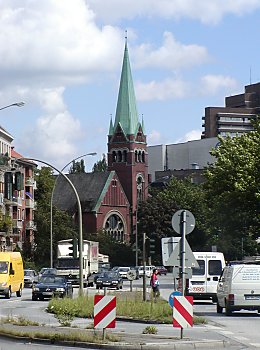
30, 225
17, 201
29, 181
29, 203
17, 223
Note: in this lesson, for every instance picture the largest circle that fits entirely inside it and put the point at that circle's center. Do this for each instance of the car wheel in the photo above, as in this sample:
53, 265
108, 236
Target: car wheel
8, 294
19, 292
219, 309
228, 309
34, 298
41, 298
97, 287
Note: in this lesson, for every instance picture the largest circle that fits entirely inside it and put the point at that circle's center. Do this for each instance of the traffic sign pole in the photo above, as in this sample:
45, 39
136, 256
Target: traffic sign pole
183, 231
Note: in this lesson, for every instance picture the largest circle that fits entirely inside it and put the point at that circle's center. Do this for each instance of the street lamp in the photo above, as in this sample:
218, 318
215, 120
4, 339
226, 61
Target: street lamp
52, 194
80, 217
17, 104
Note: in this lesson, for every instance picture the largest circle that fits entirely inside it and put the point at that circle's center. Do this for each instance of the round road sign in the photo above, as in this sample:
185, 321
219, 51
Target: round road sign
171, 297
131, 275
176, 221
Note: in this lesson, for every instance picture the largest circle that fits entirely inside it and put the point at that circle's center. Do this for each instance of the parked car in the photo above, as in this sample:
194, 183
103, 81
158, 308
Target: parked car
148, 270
109, 279
49, 286
94, 276
239, 288
161, 270
30, 277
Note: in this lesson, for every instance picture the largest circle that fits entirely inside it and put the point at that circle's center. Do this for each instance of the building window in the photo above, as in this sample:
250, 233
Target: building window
115, 227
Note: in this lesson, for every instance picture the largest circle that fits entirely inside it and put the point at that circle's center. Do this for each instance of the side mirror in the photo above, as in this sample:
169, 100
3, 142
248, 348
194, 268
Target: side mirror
11, 272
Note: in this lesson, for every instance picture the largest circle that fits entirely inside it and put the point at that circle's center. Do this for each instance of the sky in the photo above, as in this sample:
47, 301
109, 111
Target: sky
63, 58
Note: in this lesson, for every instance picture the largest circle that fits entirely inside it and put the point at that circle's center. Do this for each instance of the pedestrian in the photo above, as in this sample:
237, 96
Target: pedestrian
154, 282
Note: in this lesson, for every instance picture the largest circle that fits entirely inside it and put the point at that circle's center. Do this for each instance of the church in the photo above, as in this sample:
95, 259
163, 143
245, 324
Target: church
109, 199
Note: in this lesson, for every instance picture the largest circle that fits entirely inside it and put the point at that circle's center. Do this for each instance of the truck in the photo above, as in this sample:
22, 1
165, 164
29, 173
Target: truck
68, 260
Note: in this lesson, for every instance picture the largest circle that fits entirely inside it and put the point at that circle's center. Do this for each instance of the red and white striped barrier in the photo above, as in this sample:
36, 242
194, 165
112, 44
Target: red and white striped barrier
104, 311
183, 311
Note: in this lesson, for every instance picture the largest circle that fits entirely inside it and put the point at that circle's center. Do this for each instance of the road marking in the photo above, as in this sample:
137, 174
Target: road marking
240, 338
257, 345
213, 327
226, 332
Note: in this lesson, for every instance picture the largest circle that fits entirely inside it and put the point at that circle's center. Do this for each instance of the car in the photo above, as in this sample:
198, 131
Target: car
148, 270
122, 271
30, 277
50, 286
47, 271
109, 279
161, 270
93, 277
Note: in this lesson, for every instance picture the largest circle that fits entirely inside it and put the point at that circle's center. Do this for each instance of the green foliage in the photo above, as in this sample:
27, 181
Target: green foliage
233, 193
5, 222
120, 253
63, 226
156, 213
150, 330
77, 167
100, 166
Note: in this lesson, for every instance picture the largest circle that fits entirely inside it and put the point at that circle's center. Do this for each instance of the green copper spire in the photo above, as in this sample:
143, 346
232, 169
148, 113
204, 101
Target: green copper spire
111, 128
126, 111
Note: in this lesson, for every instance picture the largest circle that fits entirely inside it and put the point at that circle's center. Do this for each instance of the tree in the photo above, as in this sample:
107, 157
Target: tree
156, 213
77, 167
63, 226
233, 193
100, 166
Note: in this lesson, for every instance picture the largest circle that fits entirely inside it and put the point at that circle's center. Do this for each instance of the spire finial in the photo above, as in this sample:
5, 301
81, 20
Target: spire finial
126, 36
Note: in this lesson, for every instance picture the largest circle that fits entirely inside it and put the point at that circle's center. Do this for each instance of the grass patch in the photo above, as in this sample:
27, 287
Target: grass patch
129, 305
79, 336
18, 321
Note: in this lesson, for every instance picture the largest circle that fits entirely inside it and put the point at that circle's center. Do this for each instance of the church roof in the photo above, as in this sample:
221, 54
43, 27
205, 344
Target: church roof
126, 110
91, 188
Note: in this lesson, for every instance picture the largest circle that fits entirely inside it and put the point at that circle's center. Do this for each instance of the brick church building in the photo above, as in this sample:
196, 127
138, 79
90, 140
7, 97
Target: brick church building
109, 199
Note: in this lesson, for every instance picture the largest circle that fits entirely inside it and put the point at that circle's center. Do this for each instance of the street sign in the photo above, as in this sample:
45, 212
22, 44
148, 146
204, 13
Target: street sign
131, 275
104, 311
171, 297
183, 312
176, 221
168, 246
175, 258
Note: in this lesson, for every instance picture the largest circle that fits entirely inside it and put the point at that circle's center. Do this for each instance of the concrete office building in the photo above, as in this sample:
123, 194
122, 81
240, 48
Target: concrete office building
235, 118
175, 158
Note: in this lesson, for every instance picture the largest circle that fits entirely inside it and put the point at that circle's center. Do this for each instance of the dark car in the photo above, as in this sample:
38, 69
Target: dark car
47, 271
94, 276
161, 270
50, 286
30, 277
110, 280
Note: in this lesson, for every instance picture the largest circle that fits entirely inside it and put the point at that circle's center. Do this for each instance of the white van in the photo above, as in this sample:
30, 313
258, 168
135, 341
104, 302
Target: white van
204, 280
239, 288
148, 270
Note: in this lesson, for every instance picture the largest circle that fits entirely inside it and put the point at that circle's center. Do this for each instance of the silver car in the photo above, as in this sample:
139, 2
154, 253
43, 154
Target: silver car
30, 277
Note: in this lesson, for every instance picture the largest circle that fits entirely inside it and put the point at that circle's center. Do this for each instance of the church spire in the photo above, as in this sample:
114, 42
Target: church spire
126, 110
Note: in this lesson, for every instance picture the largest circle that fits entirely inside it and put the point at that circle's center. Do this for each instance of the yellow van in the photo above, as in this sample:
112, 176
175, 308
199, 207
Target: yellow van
11, 274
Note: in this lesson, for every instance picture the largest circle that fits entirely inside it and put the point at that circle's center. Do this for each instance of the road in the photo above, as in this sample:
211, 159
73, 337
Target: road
241, 329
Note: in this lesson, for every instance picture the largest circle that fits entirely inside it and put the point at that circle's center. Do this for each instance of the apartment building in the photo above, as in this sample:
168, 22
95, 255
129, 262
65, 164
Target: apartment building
235, 118
17, 204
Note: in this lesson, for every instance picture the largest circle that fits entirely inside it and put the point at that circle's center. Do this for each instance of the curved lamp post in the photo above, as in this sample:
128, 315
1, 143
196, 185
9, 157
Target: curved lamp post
17, 104
52, 195
80, 218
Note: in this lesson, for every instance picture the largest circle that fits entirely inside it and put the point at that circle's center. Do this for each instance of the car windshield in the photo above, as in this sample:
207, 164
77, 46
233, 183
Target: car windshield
28, 273
109, 275
3, 266
52, 279
123, 269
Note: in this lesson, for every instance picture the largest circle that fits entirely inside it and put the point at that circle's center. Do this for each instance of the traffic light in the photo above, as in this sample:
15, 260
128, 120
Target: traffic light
151, 246
74, 248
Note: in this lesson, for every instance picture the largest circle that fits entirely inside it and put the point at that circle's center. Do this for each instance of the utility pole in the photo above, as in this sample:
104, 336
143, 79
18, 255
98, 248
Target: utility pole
144, 266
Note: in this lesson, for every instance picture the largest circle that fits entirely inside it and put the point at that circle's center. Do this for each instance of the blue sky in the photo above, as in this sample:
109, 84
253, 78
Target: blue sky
63, 58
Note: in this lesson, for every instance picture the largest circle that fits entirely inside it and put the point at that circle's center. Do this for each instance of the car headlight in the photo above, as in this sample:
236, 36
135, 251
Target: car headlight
60, 289
114, 281
35, 289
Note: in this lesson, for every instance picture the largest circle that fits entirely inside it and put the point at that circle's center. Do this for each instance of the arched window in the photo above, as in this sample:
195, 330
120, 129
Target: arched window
124, 156
143, 157
139, 156
115, 227
114, 156
119, 156
136, 156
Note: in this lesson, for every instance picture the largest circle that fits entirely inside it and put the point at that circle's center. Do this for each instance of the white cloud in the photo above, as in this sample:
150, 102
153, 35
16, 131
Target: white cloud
190, 136
153, 138
163, 90
206, 11
212, 84
171, 55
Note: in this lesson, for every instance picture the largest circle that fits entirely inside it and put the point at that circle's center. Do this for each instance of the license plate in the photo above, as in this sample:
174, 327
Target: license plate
106, 284
47, 293
252, 297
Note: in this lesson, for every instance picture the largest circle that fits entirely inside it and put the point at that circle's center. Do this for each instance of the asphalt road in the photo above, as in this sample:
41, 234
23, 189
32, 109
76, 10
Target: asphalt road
241, 329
